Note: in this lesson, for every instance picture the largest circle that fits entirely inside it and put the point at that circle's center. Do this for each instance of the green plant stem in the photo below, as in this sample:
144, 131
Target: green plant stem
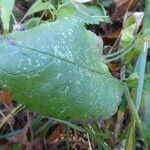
130, 45
130, 142
119, 56
120, 51
143, 56
67, 140
134, 113
44, 128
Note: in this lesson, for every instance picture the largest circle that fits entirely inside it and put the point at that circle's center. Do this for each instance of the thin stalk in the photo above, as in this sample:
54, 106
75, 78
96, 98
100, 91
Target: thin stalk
10, 134
119, 56
10, 115
69, 124
44, 128
67, 140
130, 142
89, 142
120, 51
134, 113
129, 47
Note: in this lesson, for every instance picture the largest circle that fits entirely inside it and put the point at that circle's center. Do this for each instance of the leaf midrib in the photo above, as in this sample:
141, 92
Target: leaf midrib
59, 58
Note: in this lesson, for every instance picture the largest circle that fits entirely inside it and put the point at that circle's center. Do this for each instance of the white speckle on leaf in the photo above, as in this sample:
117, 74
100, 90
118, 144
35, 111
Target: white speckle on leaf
13, 53
57, 52
44, 57
18, 71
29, 61
78, 82
66, 89
25, 68
20, 62
58, 75
28, 77
38, 39
38, 65
37, 75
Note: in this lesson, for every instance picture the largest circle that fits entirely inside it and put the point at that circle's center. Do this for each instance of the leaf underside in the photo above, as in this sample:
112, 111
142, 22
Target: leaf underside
55, 69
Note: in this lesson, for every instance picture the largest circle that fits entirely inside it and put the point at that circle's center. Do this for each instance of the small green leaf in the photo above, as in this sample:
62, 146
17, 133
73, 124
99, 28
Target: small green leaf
127, 37
132, 80
40, 6
6, 7
32, 22
90, 13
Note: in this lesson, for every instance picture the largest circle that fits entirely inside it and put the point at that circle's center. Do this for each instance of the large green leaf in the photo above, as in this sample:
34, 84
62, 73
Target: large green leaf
55, 69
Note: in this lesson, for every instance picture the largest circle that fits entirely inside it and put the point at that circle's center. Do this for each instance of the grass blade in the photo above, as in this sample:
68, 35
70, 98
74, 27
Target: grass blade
143, 56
